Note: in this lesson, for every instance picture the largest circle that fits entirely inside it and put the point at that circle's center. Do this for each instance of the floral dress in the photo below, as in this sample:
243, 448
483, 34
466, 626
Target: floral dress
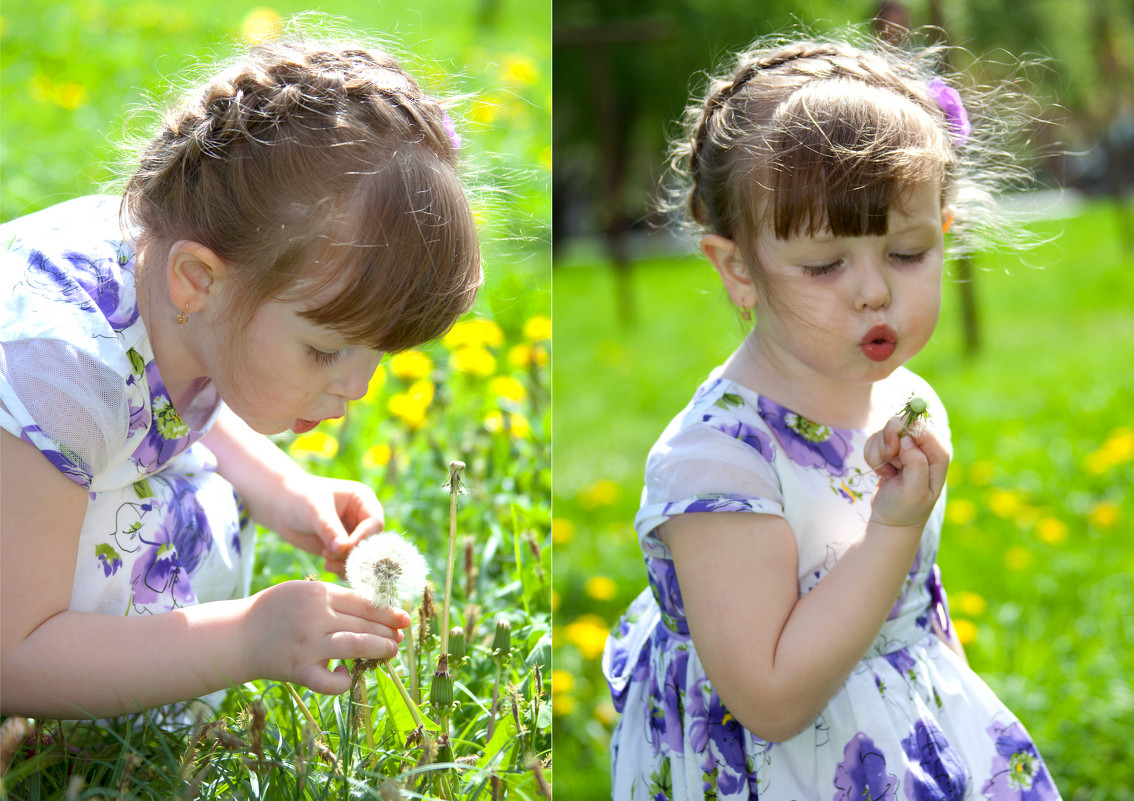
912, 720
78, 381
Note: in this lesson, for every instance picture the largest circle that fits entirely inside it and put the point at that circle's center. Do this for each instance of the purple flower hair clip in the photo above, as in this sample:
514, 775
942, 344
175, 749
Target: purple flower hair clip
949, 101
451, 130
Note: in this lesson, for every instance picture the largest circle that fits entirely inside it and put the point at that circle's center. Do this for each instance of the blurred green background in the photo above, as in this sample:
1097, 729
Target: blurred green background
1036, 552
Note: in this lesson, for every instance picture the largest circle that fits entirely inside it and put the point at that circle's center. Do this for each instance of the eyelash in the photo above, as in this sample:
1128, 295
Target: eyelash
322, 357
902, 258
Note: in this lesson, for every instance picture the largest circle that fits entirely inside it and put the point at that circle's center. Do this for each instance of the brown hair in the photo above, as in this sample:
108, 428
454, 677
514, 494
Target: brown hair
312, 165
800, 136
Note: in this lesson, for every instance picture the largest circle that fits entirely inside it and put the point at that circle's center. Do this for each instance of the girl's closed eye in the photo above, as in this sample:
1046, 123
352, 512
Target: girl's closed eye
909, 258
822, 269
322, 357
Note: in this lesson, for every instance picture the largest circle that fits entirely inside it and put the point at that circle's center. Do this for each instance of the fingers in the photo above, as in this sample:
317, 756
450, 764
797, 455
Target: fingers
349, 603
882, 448
321, 680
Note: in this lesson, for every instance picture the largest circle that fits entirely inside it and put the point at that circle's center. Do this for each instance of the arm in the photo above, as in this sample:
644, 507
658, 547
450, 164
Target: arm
319, 515
62, 663
774, 658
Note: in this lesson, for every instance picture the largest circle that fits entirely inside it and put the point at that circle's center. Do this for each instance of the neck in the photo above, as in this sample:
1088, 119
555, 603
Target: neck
181, 369
778, 377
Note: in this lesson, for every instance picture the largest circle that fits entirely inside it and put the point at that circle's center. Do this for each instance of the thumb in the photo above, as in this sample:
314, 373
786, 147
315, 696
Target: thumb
327, 682
330, 530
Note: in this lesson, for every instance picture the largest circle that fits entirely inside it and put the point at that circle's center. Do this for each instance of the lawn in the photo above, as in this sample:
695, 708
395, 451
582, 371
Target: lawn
1035, 553
74, 78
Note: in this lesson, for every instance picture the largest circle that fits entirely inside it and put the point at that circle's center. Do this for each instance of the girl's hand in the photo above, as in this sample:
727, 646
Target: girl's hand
911, 473
328, 517
295, 628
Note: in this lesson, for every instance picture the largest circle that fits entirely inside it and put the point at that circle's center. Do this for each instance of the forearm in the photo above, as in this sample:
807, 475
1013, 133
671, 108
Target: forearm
84, 665
831, 628
252, 463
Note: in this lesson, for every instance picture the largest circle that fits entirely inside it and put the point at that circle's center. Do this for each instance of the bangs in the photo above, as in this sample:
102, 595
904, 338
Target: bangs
843, 156
410, 266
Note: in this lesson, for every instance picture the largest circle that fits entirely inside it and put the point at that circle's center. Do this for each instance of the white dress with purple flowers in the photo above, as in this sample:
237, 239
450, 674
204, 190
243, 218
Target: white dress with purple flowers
78, 381
911, 722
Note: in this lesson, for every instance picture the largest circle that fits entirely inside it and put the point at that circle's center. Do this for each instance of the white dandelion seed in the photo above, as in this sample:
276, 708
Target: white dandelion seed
387, 570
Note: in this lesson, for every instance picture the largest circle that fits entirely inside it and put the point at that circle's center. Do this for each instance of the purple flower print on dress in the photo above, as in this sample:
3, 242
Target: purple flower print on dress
92, 284
806, 443
158, 574
862, 773
726, 744
65, 461
750, 435
168, 436
109, 559
667, 704
1018, 772
185, 523
667, 593
936, 772
715, 503
902, 662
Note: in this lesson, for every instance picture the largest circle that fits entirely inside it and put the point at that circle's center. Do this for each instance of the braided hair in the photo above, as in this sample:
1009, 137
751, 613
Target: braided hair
802, 135
308, 165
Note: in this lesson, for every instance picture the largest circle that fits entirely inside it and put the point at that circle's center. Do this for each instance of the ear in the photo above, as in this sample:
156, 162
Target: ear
193, 272
733, 270
947, 215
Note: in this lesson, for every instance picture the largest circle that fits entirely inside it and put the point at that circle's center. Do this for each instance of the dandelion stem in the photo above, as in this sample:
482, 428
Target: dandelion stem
455, 469
411, 659
302, 707
393, 674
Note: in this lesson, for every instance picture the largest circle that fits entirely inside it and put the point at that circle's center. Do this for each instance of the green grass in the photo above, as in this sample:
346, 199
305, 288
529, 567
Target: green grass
71, 74
1034, 553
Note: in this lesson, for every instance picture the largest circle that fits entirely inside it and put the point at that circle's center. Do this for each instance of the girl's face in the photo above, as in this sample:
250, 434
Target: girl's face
850, 310
282, 372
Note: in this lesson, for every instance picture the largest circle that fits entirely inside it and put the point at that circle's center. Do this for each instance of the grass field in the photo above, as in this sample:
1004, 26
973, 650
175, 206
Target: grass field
71, 75
1035, 553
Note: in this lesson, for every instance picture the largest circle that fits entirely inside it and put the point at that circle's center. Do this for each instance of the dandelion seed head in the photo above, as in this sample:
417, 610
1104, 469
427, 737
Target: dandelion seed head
387, 570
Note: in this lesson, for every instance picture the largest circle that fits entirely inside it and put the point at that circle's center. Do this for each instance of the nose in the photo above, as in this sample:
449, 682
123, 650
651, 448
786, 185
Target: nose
873, 289
355, 380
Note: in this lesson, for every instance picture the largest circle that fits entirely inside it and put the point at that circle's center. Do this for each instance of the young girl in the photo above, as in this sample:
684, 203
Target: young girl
789, 504
295, 217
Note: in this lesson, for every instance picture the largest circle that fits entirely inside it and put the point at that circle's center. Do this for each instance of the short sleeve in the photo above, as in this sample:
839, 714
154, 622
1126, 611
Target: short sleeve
703, 468
64, 401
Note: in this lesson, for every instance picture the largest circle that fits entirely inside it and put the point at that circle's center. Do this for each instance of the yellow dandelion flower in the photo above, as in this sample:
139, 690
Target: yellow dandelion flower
960, 512
538, 327
377, 383
521, 69
563, 704
1017, 557
519, 426
261, 25
562, 531
1104, 515
408, 408
378, 456
479, 332
587, 633
601, 588
562, 682
603, 492
966, 631
1120, 444
971, 604
507, 387
411, 365
486, 110
475, 360
1004, 503
1051, 530
314, 443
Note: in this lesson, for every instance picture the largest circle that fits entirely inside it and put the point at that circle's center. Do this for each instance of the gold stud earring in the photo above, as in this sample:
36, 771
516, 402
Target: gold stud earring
746, 314
183, 318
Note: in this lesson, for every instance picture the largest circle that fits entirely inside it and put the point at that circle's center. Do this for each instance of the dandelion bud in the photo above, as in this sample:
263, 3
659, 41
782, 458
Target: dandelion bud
441, 690
457, 647
502, 641
387, 570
